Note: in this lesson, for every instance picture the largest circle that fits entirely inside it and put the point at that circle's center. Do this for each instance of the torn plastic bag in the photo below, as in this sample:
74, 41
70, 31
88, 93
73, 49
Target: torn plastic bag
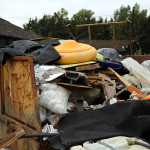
129, 118
110, 54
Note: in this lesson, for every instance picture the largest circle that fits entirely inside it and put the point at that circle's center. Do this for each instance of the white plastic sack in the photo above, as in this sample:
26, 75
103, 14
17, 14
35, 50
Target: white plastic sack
133, 80
146, 64
54, 98
137, 70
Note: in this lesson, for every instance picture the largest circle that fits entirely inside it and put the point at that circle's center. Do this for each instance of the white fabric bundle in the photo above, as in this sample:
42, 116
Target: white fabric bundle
115, 143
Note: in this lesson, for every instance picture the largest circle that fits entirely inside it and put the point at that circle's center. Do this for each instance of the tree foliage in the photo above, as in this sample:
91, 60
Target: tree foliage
50, 26
83, 17
139, 21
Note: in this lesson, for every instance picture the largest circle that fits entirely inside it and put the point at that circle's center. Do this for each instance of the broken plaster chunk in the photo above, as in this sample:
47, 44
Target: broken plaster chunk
85, 104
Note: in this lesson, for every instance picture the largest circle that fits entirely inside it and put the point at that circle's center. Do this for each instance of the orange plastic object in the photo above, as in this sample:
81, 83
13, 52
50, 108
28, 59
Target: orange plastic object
147, 97
72, 52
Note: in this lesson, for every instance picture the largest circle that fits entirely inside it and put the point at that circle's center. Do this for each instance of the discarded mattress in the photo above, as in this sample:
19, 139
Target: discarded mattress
72, 52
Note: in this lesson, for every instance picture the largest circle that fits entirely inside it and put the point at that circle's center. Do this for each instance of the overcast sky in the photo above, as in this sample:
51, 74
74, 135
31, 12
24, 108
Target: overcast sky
18, 12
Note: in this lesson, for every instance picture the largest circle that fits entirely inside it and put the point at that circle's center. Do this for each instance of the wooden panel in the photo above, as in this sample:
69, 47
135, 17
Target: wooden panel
18, 100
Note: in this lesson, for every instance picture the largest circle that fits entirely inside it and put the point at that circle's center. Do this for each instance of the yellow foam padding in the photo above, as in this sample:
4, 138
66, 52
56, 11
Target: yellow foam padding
72, 52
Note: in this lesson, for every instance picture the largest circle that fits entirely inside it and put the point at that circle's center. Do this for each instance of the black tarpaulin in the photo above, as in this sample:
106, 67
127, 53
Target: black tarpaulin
130, 118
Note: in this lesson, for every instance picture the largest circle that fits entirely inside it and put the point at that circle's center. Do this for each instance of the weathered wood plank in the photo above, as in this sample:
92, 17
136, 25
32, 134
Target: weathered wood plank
87, 67
9, 139
110, 90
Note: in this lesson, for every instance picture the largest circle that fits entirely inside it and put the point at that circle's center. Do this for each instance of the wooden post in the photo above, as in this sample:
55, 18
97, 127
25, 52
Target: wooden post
9, 139
131, 31
65, 26
77, 32
89, 35
114, 36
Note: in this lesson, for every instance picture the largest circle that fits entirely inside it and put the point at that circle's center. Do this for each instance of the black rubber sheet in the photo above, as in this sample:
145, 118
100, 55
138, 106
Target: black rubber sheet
42, 54
130, 118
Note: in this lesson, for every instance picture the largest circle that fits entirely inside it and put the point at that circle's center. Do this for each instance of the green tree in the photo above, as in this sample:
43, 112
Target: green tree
97, 31
49, 25
44, 25
102, 32
32, 25
122, 14
140, 21
125, 14
84, 16
59, 31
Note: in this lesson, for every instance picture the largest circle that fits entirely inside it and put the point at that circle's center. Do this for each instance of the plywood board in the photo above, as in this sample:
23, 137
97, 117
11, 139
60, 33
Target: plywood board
18, 99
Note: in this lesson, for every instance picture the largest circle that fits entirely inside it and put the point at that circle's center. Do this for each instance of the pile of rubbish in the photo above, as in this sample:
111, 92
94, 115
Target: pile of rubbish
92, 99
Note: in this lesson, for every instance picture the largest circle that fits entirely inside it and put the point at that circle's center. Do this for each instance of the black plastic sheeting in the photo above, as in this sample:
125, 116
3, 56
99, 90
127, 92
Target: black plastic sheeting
129, 118
42, 54
144, 43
